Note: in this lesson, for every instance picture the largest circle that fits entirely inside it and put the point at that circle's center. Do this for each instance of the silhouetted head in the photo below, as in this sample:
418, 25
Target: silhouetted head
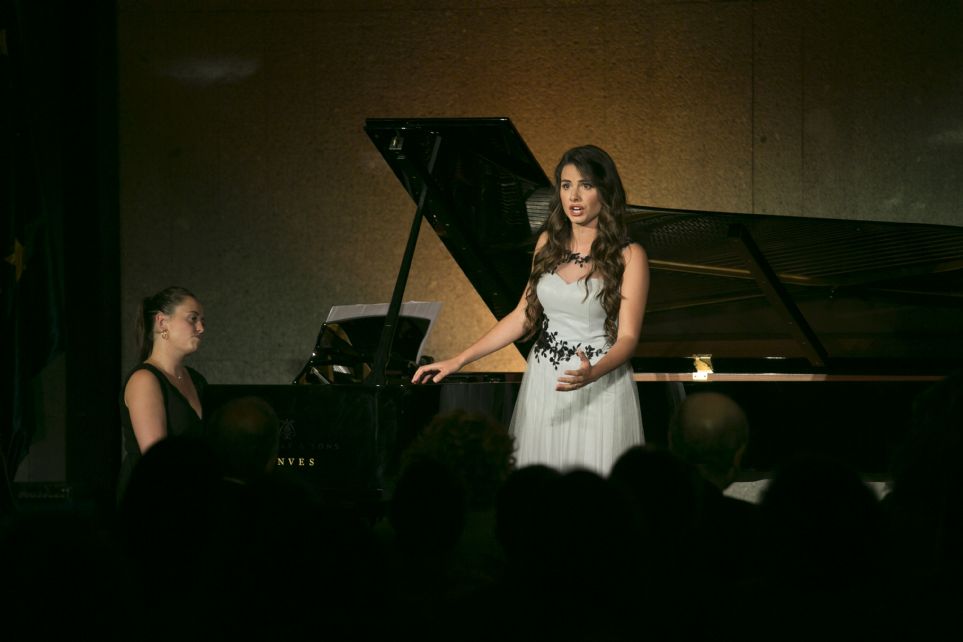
427, 509
171, 492
516, 508
710, 431
582, 546
663, 491
934, 442
822, 520
925, 502
477, 449
244, 434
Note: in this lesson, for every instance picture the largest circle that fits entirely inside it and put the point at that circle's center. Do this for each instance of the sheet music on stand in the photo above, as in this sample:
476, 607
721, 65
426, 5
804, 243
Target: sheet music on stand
349, 337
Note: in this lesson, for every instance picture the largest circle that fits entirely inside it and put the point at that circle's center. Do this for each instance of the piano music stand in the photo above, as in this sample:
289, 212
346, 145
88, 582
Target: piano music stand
347, 344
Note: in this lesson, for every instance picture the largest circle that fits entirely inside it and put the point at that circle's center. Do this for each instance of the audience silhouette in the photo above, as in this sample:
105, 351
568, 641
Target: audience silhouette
210, 542
244, 435
710, 432
164, 521
60, 570
821, 554
924, 513
439, 540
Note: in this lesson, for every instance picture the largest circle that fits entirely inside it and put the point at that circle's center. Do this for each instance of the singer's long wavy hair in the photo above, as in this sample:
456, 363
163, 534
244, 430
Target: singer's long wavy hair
597, 166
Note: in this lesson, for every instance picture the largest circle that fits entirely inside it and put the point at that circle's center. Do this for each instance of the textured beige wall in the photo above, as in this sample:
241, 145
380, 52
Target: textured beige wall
246, 174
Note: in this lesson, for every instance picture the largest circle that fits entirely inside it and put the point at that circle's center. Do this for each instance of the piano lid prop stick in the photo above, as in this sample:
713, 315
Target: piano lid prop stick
377, 376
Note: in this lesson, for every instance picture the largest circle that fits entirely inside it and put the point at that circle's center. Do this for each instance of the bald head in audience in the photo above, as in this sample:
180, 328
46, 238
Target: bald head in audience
244, 434
710, 431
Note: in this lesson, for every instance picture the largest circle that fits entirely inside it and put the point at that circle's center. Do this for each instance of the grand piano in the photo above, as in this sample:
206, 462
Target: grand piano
823, 330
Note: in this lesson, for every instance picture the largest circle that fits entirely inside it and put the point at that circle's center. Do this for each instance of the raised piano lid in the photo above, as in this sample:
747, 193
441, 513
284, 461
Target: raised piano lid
759, 293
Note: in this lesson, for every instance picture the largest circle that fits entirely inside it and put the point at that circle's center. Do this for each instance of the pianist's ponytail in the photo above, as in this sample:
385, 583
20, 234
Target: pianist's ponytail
163, 302
612, 237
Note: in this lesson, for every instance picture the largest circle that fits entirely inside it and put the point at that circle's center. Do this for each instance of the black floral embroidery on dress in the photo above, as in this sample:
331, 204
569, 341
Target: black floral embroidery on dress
576, 258
556, 350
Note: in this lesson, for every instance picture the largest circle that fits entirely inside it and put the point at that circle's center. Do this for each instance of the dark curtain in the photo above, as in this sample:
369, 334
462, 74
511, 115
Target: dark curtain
59, 247
32, 272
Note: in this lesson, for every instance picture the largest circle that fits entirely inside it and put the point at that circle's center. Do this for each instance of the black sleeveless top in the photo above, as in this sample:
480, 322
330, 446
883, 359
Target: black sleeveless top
182, 419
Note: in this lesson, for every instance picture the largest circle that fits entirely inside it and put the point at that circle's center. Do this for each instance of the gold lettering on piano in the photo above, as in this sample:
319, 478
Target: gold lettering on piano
297, 462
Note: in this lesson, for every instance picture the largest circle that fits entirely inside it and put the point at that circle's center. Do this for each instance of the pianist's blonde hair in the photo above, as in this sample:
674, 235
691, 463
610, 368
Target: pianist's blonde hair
607, 262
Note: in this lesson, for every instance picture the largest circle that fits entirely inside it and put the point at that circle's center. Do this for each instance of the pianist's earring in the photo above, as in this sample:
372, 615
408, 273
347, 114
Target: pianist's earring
165, 335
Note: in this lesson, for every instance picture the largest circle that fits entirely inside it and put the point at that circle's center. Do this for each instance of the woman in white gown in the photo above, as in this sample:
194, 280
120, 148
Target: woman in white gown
578, 406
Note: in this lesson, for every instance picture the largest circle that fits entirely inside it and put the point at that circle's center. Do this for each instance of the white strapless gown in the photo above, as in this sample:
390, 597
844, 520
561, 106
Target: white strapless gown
585, 428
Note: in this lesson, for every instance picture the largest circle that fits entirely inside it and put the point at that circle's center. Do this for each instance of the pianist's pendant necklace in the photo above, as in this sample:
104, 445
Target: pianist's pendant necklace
156, 364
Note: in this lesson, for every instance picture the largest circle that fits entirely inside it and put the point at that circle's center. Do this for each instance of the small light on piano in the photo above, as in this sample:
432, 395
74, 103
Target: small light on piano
703, 367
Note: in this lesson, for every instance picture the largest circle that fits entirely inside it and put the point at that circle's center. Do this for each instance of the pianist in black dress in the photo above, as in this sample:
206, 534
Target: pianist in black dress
161, 396
578, 405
